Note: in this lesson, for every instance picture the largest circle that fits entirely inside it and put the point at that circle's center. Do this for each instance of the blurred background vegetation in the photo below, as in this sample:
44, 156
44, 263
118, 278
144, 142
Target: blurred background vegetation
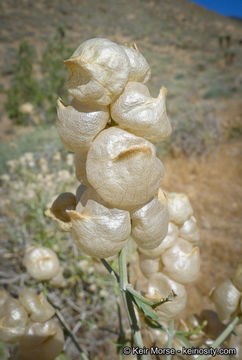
196, 55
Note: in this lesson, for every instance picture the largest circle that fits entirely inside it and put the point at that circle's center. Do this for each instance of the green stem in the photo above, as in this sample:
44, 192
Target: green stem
128, 301
171, 334
130, 289
221, 337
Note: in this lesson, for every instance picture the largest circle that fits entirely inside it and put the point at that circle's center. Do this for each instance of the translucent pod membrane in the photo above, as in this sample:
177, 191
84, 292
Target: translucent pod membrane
226, 298
150, 222
136, 111
237, 278
189, 230
99, 231
160, 286
41, 263
42, 341
139, 68
148, 266
36, 305
165, 244
78, 124
57, 211
182, 262
58, 280
180, 209
98, 71
123, 168
13, 320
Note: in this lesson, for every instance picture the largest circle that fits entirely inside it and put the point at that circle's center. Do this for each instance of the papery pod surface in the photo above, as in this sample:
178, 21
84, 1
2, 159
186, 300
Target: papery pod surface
98, 71
139, 68
3, 297
13, 320
180, 208
36, 305
58, 280
42, 341
148, 266
160, 286
166, 243
182, 262
79, 123
41, 263
99, 231
189, 230
136, 111
226, 298
150, 222
80, 160
123, 168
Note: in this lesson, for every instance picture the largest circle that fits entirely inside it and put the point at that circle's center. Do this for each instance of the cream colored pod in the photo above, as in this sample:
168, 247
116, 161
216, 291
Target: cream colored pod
182, 262
41, 263
98, 71
150, 222
160, 286
42, 341
139, 68
189, 230
180, 209
148, 266
36, 305
79, 123
13, 320
80, 160
123, 168
165, 244
226, 298
136, 111
99, 231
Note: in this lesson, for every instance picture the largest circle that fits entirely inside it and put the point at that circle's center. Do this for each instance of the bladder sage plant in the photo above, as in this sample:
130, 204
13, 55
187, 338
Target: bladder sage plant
111, 125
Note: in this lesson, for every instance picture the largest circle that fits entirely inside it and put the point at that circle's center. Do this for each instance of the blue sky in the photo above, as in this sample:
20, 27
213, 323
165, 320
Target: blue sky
223, 7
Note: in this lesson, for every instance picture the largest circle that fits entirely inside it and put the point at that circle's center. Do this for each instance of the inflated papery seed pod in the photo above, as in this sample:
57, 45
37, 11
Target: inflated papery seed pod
79, 123
165, 244
160, 286
36, 305
236, 342
99, 231
189, 230
41, 263
123, 168
98, 71
89, 194
150, 222
182, 262
136, 111
148, 266
13, 320
226, 298
42, 341
58, 280
180, 209
237, 278
80, 160
57, 211
139, 68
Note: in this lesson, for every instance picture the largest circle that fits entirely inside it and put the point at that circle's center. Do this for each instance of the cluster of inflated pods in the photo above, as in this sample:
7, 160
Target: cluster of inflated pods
110, 125
29, 319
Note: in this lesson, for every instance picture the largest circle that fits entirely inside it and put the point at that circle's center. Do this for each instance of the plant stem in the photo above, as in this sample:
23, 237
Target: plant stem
128, 301
221, 337
171, 334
